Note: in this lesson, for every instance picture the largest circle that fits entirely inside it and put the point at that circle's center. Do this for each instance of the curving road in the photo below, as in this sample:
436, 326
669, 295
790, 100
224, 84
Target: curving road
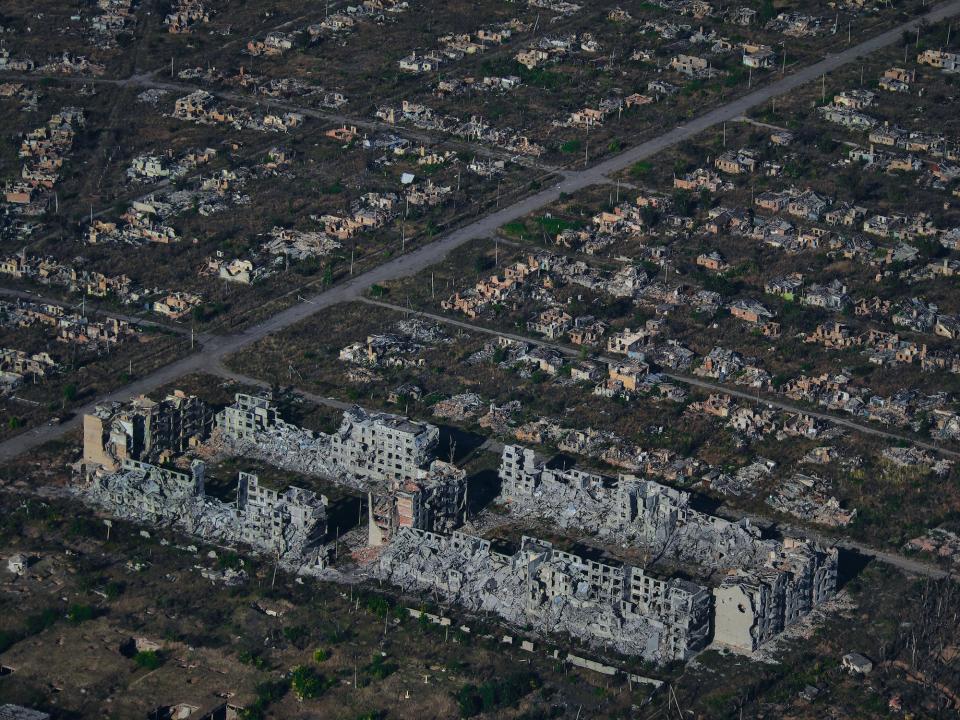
209, 357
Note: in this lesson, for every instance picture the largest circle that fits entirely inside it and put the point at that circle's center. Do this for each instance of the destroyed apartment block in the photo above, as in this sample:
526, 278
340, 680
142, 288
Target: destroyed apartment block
289, 526
620, 607
781, 580
144, 430
390, 457
436, 501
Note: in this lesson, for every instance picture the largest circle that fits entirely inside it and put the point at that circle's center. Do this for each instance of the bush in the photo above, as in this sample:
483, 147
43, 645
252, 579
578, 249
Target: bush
321, 655
41, 621
307, 683
296, 634
80, 613
148, 659
255, 660
380, 669
495, 694
267, 694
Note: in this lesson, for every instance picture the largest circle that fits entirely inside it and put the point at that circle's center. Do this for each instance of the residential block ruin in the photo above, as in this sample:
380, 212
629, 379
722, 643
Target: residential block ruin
390, 458
616, 606
745, 591
766, 585
289, 525
753, 588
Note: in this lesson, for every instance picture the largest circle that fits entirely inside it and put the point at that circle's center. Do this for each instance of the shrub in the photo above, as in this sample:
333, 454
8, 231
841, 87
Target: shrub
80, 613
495, 694
307, 683
148, 659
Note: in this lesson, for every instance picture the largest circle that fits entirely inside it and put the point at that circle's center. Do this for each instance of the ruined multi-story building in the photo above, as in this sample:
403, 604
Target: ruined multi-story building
554, 591
144, 429
767, 585
383, 447
435, 501
280, 521
374, 447
753, 605
144, 491
290, 525
248, 415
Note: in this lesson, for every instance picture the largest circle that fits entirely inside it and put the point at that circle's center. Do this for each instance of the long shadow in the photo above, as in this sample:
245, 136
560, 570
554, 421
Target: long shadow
850, 564
482, 488
462, 442
345, 514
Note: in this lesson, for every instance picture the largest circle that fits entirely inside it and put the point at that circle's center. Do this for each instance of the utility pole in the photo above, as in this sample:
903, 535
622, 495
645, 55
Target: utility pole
823, 87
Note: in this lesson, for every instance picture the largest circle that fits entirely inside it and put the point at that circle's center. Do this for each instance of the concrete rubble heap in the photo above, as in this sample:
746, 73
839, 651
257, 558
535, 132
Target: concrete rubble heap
615, 606
290, 525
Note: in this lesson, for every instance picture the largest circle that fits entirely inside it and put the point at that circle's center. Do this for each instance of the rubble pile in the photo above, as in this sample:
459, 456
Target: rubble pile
459, 407
940, 542
291, 448
807, 497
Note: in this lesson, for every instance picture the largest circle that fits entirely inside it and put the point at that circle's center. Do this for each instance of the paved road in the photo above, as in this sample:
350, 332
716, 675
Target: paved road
217, 348
682, 377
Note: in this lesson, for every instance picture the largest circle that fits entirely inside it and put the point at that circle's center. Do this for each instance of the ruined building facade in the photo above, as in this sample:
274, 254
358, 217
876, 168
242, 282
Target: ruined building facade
290, 525
383, 447
278, 520
435, 501
754, 605
678, 609
620, 607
